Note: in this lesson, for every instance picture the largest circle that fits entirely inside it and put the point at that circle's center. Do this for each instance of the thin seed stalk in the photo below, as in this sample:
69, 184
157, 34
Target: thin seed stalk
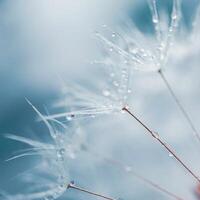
72, 186
180, 106
162, 143
120, 165
156, 186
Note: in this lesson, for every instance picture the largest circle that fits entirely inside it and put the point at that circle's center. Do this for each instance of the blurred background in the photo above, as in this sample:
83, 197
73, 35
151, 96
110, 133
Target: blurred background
43, 40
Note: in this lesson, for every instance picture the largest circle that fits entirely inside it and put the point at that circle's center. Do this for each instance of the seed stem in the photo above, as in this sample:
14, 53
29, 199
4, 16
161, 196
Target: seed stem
72, 186
156, 186
181, 107
164, 144
129, 169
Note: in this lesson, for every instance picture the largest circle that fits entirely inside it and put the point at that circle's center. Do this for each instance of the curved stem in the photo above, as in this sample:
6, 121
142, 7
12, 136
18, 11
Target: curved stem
129, 169
164, 144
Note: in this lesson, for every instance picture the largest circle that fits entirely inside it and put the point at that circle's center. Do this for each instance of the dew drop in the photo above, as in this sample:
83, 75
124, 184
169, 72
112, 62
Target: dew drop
171, 155
69, 118
156, 135
155, 20
134, 50
142, 50
111, 49
60, 153
115, 83
174, 16
124, 71
129, 91
170, 29
106, 93
125, 62
113, 34
112, 74
128, 169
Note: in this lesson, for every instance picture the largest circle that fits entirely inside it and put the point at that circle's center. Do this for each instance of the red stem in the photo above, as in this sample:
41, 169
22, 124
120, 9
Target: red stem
144, 179
88, 192
164, 144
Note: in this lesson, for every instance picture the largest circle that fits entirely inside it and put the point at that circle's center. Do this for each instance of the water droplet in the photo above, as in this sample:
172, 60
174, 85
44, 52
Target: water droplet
142, 50
115, 83
113, 34
162, 57
171, 29
110, 49
134, 50
69, 118
112, 74
124, 71
155, 20
128, 168
106, 93
60, 153
156, 135
174, 16
125, 62
171, 155
129, 91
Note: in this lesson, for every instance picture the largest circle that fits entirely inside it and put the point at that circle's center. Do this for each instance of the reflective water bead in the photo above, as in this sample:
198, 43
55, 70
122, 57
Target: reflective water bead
112, 74
171, 155
129, 91
155, 20
69, 118
110, 49
174, 16
60, 154
156, 135
113, 34
115, 83
128, 169
62, 151
106, 93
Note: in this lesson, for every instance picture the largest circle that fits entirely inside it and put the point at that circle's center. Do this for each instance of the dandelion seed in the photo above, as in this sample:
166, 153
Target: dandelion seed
155, 59
54, 155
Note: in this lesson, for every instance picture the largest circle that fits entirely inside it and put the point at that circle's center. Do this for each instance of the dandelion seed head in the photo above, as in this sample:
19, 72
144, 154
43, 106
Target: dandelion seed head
52, 170
132, 48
